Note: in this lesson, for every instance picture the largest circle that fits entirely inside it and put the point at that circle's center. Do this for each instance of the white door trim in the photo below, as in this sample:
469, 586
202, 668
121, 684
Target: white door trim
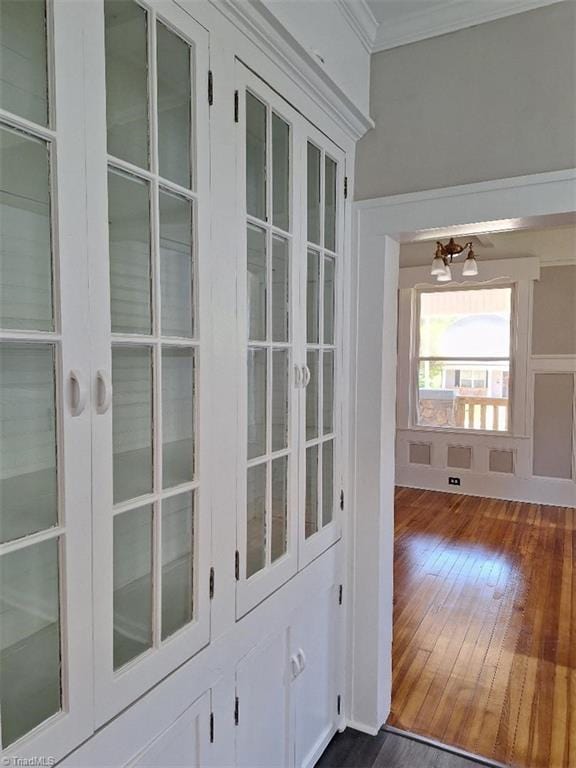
379, 225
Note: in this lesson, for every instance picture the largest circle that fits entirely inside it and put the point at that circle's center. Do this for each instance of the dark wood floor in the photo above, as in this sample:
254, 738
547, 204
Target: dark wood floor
353, 749
484, 653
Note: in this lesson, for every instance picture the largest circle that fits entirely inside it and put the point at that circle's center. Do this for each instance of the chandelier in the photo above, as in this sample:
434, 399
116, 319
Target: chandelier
444, 256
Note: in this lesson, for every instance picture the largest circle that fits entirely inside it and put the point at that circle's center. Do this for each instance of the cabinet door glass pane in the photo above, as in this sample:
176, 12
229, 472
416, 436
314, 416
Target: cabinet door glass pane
256, 520
177, 562
174, 107
311, 507
313, 194
127, 81
178, 396
25, 239
313, 298
256, 263
130, 271
132, 421
30, 638
279, 506
23, 61
279, 399
328, 392
330, 204
28, 481
280, 173
132, 584
280, 289
312, 396
327, 482
255, 157
176, 265
257, 378
329, 292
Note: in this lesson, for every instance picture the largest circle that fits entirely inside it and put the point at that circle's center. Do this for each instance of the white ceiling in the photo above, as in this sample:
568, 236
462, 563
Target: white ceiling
553, 245
397, 22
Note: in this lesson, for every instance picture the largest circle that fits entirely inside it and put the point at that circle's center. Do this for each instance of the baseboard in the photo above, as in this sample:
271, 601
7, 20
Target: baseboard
362, 727
541, 490
445, 747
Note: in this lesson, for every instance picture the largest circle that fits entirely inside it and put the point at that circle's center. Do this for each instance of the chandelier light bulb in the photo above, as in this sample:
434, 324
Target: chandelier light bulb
446, 276
470, 268
438, 266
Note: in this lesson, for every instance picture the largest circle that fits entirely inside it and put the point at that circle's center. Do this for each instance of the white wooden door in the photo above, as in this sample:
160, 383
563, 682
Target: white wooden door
268, 200
321, 304
148, 190
45, 574
264, 734
185, 744
316, 633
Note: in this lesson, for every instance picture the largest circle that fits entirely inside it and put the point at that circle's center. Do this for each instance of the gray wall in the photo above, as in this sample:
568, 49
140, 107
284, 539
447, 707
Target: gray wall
483, 103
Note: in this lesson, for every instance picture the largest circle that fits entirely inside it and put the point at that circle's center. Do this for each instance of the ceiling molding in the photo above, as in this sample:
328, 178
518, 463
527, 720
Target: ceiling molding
361, 20
449, 17
268, 34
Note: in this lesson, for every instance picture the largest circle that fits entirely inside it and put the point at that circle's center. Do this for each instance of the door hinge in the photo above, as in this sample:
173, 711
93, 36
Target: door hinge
211, 727
345, 187
340, 595
210, 88
237, 565
236, 710
338, 704
236, 107
341, 499
211, 583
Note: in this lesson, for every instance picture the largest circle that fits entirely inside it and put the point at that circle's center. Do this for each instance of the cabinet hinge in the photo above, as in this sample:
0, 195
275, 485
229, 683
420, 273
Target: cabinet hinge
341, 499
210, 88
236, 710
211, 583
340, 595
338, 704
211, 727
235, 106
345, 187
237, 565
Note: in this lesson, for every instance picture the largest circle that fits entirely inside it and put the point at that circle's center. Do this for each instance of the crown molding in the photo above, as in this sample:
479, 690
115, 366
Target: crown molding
449, 16
361, 20
261, 27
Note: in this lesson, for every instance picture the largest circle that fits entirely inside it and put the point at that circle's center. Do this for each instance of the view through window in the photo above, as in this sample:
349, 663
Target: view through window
464, 359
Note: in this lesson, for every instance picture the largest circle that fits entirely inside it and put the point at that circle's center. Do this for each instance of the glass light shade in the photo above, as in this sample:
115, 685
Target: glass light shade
446, 276
438, 266
470, 267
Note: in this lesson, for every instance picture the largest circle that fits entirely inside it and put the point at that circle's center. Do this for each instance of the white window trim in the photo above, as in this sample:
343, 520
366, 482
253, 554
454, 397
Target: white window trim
515, 273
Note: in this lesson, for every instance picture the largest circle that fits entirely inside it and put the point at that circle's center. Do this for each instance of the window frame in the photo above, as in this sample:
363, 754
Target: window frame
416, 358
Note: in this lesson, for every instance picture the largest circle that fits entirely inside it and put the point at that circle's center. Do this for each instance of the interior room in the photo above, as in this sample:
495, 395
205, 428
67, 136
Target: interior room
288, 383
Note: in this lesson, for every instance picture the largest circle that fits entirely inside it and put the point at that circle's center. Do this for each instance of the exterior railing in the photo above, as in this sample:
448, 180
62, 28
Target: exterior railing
482, 413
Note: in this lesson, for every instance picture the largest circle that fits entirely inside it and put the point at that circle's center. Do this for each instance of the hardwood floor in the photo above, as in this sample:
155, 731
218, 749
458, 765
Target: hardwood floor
484, 653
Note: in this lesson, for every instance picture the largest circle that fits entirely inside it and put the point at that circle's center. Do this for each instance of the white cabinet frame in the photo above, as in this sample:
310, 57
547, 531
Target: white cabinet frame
116, 690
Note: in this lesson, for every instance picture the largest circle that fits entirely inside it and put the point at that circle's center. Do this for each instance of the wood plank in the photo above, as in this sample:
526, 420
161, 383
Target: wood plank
484, 651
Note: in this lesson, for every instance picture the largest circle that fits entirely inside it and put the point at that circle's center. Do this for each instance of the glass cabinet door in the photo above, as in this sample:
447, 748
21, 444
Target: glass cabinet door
267, 521
321, 269
45, 645
153, 527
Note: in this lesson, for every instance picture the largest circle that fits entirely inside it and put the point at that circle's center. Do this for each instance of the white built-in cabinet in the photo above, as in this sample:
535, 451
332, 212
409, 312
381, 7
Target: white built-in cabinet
114, 549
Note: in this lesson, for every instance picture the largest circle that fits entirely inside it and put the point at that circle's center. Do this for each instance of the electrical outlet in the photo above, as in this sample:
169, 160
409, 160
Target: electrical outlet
453, 481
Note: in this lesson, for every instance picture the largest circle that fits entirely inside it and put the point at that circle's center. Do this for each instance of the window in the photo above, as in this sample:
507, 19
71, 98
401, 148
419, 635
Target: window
463, 365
